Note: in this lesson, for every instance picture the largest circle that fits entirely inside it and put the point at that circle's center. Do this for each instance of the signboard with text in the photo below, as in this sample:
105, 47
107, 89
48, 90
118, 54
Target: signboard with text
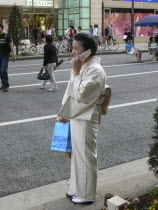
39, 3
73, 3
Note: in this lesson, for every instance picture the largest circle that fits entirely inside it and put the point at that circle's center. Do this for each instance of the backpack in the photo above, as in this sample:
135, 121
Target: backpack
104, 99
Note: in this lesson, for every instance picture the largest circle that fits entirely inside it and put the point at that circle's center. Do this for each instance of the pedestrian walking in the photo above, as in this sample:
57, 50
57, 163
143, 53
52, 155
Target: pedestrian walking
106, 32
79, 30
127, 35
50, 61
35, 35
91, 30
48, 31
53, 33
6, 46
109, 34
95, 30
80, 106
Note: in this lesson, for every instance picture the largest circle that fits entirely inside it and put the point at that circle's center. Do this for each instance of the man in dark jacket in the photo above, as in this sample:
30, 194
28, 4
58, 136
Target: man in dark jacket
127, 35
35, 35
50, 61
6, 46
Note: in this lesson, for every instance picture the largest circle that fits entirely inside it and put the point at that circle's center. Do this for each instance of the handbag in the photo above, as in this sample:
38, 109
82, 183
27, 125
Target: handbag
61, 140
43, 74
104, 99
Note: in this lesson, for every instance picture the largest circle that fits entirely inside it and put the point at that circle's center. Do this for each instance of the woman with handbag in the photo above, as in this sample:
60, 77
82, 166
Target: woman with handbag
81, 106
50, 61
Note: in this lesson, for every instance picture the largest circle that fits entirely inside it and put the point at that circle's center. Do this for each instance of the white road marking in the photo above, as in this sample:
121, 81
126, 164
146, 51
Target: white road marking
133, 74
114, 76
30, 85
54, 116
28, 120
21, 74
126, 64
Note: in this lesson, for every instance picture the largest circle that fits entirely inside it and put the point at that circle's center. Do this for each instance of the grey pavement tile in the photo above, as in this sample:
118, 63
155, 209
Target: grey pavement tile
41, 207
66, 204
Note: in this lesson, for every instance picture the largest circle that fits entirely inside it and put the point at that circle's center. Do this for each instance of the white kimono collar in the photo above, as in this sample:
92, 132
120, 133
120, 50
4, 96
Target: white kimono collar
93, 60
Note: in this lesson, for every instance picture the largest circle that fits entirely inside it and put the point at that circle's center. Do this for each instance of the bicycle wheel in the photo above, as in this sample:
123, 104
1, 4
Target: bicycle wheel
101, 46
33, 49
113, 45
66, 48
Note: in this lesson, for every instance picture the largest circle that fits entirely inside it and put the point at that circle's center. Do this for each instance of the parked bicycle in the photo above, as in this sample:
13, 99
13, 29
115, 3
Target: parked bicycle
112, 44
39, 49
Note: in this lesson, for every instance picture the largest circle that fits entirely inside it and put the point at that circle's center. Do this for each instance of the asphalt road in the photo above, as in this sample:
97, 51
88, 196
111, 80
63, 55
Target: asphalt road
27, 120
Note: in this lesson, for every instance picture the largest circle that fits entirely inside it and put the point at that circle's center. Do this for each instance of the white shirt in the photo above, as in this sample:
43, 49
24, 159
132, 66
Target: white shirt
95, 32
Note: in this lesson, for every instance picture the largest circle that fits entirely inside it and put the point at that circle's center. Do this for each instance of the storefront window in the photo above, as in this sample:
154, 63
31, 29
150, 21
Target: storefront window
84, 13
84, 3
121, 19
84, 23
77, 13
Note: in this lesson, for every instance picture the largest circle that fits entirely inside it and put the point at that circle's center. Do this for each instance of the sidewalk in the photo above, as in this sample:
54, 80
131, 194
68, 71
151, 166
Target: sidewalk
126, 180
121, 50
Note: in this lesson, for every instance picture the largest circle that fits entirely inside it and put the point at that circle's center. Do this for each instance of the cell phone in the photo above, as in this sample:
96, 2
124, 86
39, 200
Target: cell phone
84, 55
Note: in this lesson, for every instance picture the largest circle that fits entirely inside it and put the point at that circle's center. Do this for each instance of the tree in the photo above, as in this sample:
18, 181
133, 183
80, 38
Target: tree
153, 153
16, 30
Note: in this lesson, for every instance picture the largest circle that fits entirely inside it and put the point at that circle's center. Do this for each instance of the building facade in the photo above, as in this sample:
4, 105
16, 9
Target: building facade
62, 13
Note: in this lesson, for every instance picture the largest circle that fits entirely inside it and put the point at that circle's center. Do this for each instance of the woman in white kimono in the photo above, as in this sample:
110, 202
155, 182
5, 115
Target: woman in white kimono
80, 106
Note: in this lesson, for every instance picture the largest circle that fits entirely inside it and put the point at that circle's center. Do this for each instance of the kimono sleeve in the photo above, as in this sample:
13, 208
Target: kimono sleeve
86, 89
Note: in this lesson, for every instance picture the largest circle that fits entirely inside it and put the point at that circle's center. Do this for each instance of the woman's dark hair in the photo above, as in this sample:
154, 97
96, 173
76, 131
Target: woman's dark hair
88, 42
49, 39
2, 27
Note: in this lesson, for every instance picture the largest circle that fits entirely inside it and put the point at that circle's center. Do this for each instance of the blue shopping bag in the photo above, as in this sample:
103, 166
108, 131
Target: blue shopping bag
61, 140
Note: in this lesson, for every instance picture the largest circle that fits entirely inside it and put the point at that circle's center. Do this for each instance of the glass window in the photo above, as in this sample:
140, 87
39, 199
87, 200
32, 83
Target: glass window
60, 32
84, 23
60, 24
65, 13
74, 20
65, 24
84, 12
60, 17
73, 3
84, 3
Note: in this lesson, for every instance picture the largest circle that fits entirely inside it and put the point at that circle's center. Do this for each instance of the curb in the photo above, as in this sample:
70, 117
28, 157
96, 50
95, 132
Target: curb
67, 55
130, 179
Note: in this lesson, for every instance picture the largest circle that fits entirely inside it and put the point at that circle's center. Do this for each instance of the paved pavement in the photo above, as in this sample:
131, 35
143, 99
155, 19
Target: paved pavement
126, 180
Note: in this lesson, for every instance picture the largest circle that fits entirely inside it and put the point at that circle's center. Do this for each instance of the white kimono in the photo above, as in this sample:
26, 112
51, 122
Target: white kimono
80, 106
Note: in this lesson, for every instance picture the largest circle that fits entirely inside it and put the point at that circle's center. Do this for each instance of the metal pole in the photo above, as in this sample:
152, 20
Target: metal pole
132, 22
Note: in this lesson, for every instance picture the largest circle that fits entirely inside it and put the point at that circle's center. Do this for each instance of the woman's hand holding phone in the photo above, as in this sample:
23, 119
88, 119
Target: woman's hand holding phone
78, 62
77, 65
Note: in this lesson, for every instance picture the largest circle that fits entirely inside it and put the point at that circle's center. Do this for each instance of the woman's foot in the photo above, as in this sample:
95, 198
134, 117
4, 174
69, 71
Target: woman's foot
69, 195
82, 201
53, 89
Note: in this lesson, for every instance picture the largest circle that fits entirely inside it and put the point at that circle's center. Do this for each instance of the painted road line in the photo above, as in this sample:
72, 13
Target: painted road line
114, 76
116, 65
38, 84
133, 74
132, 103
28, 120
54, 116
21, 74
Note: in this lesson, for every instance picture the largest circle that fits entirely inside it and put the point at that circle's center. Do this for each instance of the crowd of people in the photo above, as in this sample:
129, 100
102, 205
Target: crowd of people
38, 34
